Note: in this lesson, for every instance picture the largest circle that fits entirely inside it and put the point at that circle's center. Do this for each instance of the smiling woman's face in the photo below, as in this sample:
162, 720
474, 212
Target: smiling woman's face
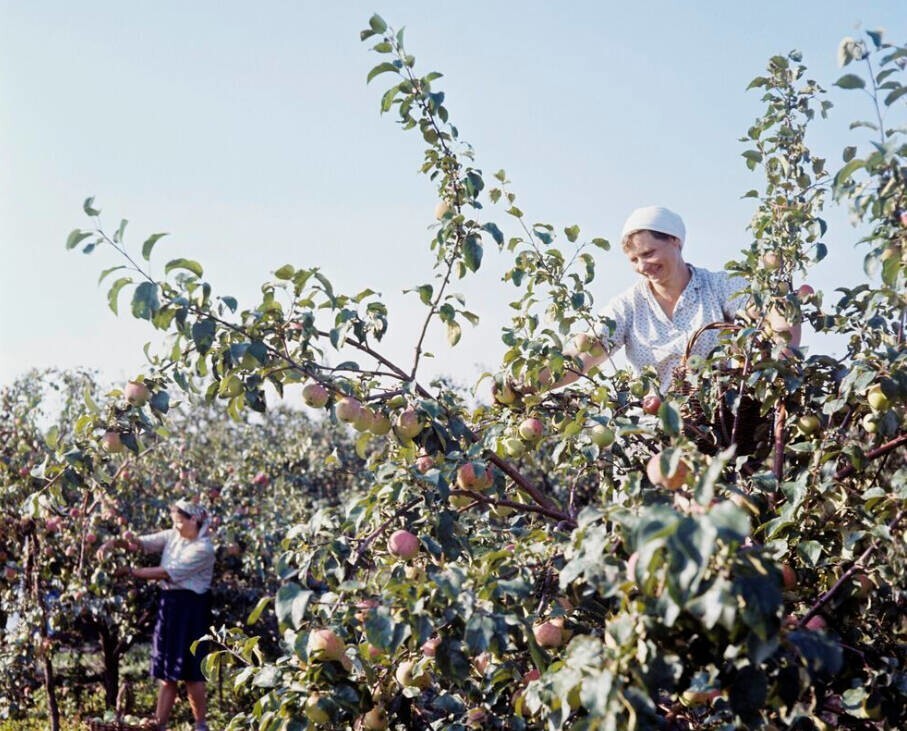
658, 260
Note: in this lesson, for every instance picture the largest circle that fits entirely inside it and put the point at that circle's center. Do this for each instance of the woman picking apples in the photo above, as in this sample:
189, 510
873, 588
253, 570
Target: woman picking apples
184, 610
655, 318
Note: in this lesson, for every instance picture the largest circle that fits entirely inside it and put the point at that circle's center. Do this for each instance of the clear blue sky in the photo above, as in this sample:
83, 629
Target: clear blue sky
247, 131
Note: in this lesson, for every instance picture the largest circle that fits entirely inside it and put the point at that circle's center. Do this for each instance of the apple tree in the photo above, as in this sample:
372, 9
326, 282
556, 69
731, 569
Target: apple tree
600, 556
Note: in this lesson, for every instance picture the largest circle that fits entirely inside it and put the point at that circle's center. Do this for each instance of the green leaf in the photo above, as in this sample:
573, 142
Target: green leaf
188, 264
572, 233
75, 238
160, 402
203, 333
849, 169
377, 24
114, 291
108, 271
145, 302
88, 207
453, 333
495, 233
285, 272
850, 81
895, 95
425, 293
149, 245
472, 253
381, 68
290, 604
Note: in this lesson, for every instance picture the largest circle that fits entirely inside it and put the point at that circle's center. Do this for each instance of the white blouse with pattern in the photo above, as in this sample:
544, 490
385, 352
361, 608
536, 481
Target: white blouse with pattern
188, 563
653, 339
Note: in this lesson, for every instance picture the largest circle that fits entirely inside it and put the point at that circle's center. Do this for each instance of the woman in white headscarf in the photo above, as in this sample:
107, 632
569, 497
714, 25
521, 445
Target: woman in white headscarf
656, 317
184, 610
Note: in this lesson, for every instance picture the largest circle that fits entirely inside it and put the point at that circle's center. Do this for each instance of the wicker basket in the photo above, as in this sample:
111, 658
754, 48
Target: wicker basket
737, 417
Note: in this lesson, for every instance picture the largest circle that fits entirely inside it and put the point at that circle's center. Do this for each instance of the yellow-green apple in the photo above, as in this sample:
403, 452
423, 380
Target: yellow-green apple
363, 422
503, 392
877, 399
601, 435
513, 447
381, 424
771, 261
808, 424
314, 711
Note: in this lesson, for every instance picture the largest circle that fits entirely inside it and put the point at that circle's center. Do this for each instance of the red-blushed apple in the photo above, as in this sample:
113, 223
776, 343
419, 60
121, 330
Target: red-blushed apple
381, 424
548, 634
406, 677
788, 576
403, 544
424, 463
324, 645
816, 623
672, 481
261, 479
862, 584
430, 646
348, 409
473, 477
804, 291
91, 538
374, 720
651, 403
314, 710
631, 565
408, 424
371, 652
531, 676
137, 393
25, 472
112, 442
531, 429
10, 573
315, 395
52, 524
601, 435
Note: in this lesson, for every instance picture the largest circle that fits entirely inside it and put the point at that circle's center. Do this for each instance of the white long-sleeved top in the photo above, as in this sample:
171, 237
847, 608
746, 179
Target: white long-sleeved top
188, 563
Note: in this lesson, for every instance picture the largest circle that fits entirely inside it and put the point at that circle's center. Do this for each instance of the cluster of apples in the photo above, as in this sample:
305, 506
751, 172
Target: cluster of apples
406, 426
879, 405
137, 394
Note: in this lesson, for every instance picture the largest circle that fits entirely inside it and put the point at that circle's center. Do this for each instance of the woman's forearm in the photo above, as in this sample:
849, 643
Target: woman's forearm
150, 573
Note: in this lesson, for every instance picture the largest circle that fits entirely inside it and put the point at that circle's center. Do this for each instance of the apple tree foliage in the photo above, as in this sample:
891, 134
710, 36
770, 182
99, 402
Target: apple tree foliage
559, 583
65, 492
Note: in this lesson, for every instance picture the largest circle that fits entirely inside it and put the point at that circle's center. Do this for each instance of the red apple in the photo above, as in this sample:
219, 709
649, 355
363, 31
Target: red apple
403, 544
315, 395
424, 463
137, 393
430, 646
261, 479
804, 291
788, 576
816, 623
651, 403
472, 477
548, 634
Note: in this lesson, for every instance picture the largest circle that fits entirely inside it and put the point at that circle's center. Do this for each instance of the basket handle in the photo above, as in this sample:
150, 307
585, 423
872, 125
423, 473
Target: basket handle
719, 325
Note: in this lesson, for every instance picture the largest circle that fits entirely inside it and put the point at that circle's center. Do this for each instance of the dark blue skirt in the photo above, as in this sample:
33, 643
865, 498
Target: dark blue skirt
182, 617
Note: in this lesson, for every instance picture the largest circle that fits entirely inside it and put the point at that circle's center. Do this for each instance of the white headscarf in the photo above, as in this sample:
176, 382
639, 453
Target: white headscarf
654, 218
194, 510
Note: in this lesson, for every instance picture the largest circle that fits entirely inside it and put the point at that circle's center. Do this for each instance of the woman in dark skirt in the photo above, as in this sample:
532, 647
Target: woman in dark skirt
184, 609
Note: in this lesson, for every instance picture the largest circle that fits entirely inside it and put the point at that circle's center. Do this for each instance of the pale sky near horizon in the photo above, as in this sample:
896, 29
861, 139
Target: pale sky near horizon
248, 133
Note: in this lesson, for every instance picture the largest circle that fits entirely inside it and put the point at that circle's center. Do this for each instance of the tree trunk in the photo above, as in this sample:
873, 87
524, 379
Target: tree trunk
50, 686
111, 674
